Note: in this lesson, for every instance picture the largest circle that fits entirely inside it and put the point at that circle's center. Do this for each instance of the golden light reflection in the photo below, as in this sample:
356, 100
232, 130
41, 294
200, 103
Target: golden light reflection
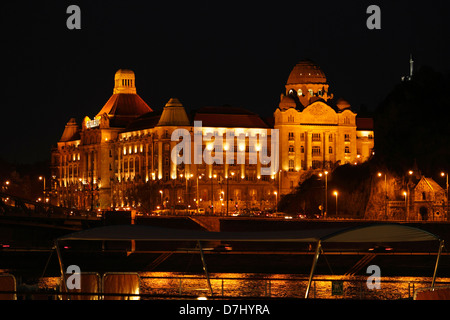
272, 285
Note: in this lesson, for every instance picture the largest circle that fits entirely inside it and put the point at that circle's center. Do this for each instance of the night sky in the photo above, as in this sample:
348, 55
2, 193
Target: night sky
202, 52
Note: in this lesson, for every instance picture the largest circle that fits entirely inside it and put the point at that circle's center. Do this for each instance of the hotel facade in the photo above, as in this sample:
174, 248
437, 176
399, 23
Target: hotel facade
122, 157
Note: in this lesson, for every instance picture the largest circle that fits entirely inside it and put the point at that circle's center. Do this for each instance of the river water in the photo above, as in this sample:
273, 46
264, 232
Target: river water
253, 285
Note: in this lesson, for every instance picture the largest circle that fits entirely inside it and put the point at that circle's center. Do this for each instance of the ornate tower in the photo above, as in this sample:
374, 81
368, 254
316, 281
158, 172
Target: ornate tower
307, 83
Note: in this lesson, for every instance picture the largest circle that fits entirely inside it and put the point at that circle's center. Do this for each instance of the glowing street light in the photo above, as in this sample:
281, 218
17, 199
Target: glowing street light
211, 176
385, 192
405, 194
335, 193
276, 199
42, 178
326, 191
443, 174
228, 197
5, 187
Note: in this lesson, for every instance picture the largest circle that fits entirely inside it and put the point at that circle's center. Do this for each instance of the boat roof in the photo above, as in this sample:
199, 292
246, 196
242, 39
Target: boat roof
366, 233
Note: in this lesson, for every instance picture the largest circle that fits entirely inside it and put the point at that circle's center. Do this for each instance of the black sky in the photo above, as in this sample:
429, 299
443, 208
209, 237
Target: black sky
203, 52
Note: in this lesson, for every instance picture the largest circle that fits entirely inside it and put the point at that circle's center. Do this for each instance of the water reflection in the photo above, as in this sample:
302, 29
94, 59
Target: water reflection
255, 285
281, 285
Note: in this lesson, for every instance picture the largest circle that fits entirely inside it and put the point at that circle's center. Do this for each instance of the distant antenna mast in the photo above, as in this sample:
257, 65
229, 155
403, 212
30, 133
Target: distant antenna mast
411, 66
411, 69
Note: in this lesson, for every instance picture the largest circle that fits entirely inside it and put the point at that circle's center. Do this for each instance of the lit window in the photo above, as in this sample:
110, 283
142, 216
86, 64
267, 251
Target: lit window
291, 164
299, 92
316, 151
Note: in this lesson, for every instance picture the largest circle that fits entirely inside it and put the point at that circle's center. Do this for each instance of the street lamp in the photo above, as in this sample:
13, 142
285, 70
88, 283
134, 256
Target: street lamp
197, 200
405, 194
279, 181
335, 193
212, 192
443, 174
228, 198
40, 179
385, 192
162, 204
326, 191
5, 187
186, 195
276, 199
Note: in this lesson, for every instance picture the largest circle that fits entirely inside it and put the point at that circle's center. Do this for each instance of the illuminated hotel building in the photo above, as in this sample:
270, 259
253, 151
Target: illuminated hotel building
122, 157
315, 134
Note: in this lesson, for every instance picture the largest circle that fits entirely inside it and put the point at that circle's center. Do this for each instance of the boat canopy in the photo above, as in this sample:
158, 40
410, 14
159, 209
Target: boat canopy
377, 232
366, 233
